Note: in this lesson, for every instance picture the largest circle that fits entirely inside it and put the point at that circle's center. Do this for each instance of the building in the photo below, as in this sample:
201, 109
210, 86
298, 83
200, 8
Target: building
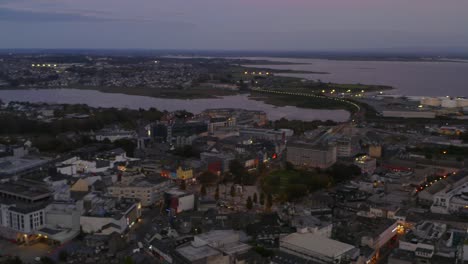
184, 173
221, 122
268, 134
100, 162
375, 151
62, 221
243, 116
105, 215
19, 165
367, 164
453, 198
149, 190
317, 248
23, 209
214, 247
408, 114
179, 201
430, 239
309, 155
344, 147
217, 162
113, 135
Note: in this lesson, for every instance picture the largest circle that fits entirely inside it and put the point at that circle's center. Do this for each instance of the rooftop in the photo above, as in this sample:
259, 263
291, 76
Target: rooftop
25, 189
13, 165
196, 253
316, 243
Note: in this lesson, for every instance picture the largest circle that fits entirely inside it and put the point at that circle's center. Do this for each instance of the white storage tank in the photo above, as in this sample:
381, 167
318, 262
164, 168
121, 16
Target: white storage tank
449, 103
431, 101
462, 102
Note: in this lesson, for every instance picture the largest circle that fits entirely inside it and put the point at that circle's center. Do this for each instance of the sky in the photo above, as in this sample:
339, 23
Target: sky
234, 24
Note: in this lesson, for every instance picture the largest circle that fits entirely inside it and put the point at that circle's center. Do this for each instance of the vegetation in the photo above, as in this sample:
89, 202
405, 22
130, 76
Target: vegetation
187, 152
249, 203
216, 196
269, 202
208, 178
66, 133
63, 255
262, 198
266, 253
239, 173
203, 191
183, 185
302, 101
47, 260
126, 144
12, 260
298, 126
233, 191
292, 184
431, 152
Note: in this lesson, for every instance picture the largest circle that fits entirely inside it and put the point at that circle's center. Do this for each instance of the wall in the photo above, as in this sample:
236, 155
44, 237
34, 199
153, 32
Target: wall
91, 224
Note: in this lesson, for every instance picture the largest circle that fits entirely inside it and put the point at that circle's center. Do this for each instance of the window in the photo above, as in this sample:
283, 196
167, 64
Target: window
41, 218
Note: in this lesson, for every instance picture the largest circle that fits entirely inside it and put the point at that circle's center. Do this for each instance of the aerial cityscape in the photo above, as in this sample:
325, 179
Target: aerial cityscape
213, 132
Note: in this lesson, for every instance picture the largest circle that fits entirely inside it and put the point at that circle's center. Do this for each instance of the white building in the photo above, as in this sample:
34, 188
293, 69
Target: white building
317, 248
22, 209
452, 198
101, 163
113, 135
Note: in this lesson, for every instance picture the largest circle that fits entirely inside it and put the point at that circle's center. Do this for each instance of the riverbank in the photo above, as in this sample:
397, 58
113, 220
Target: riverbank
108, 100
303, 100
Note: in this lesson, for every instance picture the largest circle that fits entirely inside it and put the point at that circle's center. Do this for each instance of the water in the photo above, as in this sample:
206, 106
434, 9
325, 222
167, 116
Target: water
416, 78
99, 99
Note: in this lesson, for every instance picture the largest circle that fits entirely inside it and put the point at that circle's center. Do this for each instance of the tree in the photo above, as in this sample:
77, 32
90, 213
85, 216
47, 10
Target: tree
216, 196
233, 191
128, 260
208, 178
126, 144
262, 170
47, 260
183, 185
63, 255
14, 260
269, 202
249, 203
238, 170
262, 198
255, 198
203, 190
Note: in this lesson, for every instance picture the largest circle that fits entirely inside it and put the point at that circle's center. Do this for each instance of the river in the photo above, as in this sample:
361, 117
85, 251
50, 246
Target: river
412, 78
99, 99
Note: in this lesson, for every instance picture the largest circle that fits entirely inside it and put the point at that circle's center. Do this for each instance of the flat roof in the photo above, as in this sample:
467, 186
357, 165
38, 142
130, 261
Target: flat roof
12, 165
25, 189
217, 235
195, 253
319, 244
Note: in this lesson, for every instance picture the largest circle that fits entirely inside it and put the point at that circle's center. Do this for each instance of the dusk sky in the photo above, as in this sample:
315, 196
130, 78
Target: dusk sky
234, 24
